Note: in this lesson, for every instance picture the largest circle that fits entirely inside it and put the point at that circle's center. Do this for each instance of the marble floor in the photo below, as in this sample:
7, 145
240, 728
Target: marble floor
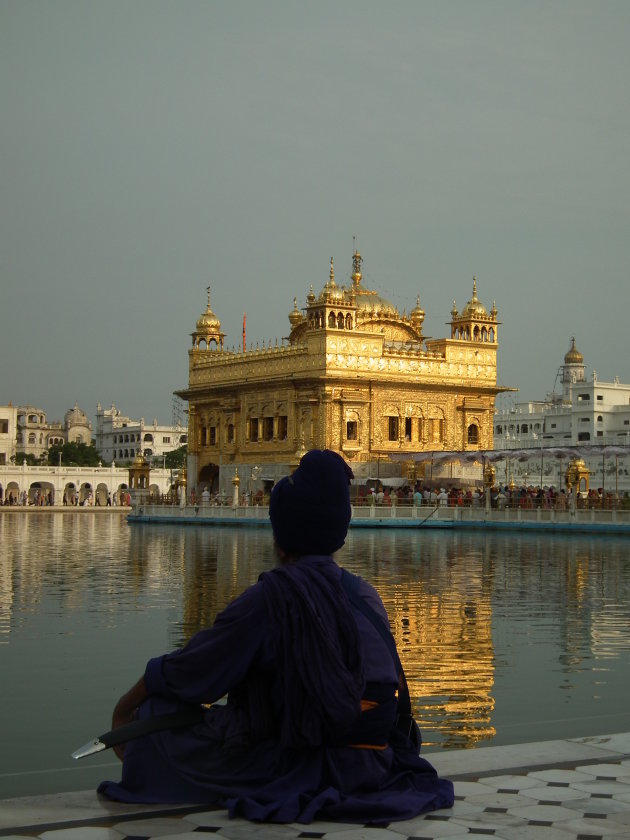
552, 790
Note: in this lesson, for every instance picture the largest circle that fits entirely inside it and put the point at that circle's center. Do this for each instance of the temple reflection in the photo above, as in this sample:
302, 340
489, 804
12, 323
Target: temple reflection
478, 619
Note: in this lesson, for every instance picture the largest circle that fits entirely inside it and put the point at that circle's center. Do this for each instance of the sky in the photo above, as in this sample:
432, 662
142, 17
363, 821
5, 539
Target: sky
150, 149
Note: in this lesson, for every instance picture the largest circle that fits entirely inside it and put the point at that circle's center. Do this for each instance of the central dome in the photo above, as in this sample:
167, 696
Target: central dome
366, 300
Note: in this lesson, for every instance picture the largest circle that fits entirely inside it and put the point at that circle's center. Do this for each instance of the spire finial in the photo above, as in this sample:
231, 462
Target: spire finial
332, 272
356, 266
208, 290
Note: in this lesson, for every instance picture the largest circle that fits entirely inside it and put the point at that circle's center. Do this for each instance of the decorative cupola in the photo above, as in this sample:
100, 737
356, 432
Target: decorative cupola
417, 316
207, 334
331, 291
474, 323
573, 367
334, 308
295, 316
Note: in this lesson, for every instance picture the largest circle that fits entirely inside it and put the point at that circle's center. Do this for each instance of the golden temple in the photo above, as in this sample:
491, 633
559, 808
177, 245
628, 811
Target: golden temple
354, 376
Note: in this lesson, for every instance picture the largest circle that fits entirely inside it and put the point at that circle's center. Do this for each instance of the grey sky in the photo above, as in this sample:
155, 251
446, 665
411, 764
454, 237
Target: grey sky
148, 149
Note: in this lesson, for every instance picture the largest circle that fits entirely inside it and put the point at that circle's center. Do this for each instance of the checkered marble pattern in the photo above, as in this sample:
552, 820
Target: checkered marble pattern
556, 790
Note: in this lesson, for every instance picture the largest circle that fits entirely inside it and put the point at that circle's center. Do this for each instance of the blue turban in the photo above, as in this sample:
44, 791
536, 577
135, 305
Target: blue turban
310, 509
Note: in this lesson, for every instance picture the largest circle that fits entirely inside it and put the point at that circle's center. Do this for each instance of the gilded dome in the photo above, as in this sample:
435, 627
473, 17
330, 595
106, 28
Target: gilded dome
208, 321
573, 355
474, 307
331, 290
417, 313
368, 302
295, 316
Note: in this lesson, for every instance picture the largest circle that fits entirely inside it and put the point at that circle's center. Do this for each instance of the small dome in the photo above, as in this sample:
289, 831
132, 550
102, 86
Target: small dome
331, 290
139, 461
295, 316
474, 307
417, 313
208, 321
573, 356
76, 417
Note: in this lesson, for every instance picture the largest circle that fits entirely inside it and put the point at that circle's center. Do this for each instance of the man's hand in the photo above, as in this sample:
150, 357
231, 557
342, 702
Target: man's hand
125, 710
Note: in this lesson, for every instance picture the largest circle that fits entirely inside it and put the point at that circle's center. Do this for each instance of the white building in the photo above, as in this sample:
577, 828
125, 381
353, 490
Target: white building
585, 413
35, 434
119, 438
8, 432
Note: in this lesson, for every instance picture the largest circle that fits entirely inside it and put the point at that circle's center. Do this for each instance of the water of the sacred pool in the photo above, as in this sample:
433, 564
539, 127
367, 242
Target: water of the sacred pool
505, 637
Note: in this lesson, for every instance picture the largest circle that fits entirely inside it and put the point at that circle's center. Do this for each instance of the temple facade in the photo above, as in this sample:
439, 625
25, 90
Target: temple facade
354, 376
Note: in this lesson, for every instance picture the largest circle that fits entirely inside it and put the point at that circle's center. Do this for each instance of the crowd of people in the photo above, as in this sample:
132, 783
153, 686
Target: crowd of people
501, 497
42, 498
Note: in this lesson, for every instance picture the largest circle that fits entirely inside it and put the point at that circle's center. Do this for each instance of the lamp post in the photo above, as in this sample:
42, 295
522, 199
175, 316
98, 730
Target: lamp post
488, 481
235, 483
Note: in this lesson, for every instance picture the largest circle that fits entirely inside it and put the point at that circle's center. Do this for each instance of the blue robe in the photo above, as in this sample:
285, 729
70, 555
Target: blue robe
307, 731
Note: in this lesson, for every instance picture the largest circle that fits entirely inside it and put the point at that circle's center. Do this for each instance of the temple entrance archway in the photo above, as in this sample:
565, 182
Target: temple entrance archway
209, 477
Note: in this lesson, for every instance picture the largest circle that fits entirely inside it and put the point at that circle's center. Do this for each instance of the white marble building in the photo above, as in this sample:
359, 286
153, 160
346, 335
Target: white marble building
119, 438
585, 412
34, 434
8, 432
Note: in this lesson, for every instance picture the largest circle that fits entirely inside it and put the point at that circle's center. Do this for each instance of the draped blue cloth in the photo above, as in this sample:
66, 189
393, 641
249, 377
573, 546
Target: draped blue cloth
295, 660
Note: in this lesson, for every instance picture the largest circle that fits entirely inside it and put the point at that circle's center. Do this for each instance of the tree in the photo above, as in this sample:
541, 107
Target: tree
31, 460
176, 458
74, 454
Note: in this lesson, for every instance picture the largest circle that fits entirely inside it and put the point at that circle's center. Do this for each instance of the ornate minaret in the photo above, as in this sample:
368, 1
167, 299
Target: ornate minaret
473, 323
572, 370
207, 334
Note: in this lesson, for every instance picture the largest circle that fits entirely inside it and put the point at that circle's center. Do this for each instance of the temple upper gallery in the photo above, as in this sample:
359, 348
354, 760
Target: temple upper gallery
354, 376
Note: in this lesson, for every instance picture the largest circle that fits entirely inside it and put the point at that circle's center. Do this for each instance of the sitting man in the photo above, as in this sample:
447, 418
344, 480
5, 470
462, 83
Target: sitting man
308, 730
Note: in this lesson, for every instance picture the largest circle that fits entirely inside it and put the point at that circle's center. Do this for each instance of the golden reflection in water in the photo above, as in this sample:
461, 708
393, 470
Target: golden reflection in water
446, 595
441, 617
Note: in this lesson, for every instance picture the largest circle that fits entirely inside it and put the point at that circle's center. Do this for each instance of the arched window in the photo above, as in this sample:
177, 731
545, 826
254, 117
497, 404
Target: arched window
332, 320
340, 320
348, 321
473, 433
476, 334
